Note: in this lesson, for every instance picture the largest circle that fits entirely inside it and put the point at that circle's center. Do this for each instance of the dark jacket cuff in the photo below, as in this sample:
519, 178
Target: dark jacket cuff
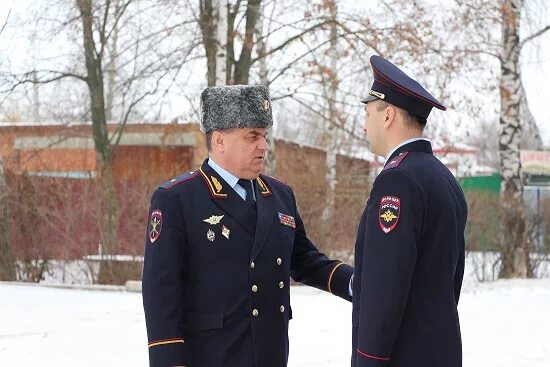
339, 278
368, 360
169, 355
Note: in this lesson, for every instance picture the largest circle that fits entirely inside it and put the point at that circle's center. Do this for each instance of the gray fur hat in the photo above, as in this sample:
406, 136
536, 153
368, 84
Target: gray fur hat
235, 106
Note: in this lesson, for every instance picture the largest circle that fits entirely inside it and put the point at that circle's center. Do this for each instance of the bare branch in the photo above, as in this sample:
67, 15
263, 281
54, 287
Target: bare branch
30, 78
293, 62
102, 30
293, 38
534, 35
5, 22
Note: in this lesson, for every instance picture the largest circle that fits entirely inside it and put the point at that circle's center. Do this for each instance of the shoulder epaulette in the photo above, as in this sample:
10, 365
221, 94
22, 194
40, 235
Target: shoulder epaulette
178, 180
395, 162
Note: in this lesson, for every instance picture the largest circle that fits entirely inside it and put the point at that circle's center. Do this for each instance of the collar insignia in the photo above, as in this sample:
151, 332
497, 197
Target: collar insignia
264, 190
217, 184
214, 185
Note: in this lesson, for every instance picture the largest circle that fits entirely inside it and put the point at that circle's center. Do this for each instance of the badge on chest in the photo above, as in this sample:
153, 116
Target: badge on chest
214, 220
287, 220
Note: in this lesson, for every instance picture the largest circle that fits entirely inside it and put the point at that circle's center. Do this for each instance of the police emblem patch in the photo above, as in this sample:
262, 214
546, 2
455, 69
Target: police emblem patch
155, 225
388, 213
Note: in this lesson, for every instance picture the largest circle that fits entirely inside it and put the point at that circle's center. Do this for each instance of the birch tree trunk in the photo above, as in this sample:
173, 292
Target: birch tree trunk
330, 124
112, 67
220, 14
515, 252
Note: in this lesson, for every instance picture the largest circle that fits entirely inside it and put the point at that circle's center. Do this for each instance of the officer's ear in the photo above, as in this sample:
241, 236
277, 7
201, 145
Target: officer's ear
217, 141
389, 115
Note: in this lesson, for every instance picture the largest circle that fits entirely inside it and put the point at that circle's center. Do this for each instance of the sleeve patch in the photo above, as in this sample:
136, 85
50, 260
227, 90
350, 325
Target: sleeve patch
155, 225
388, 213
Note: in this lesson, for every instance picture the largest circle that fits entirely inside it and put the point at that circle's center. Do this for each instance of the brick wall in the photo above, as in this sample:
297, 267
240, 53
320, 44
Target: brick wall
138, 169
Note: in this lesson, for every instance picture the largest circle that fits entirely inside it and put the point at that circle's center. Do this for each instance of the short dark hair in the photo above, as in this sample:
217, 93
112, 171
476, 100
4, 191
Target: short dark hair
410, 120
208, 137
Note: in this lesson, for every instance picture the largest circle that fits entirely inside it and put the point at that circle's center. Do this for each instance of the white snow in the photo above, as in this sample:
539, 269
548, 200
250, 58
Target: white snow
504, 324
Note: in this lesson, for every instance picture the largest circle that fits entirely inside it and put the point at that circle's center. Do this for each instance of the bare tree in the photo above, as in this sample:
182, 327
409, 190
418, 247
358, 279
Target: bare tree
217, 17
477, 16
515, 257
127, 46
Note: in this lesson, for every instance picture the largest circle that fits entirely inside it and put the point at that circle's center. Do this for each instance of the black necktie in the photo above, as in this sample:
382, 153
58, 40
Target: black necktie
247, 185
249, 201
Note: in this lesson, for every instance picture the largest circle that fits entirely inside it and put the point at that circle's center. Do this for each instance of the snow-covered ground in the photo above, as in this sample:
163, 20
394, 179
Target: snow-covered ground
504, 324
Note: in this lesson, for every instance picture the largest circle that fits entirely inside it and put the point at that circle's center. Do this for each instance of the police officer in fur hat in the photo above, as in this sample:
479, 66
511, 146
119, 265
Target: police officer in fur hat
222, 244
409, 253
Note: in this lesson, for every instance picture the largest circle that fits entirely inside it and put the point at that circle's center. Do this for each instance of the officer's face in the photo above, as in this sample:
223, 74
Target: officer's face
374, 127
244, 151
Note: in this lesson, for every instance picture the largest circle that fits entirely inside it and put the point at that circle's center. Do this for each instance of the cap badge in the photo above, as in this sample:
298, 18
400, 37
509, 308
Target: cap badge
377, 94
266, 105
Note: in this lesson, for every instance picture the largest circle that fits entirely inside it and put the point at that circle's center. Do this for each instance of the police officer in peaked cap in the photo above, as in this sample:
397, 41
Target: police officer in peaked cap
409, 252
222, 244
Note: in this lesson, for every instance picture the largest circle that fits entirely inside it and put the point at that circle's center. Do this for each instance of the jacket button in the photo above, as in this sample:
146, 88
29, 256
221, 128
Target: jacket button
252, 265
255, 312
254, 288
281, 284
282, 308
279, 261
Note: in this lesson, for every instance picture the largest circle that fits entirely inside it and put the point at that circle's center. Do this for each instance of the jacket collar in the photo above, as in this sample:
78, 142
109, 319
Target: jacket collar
412, 145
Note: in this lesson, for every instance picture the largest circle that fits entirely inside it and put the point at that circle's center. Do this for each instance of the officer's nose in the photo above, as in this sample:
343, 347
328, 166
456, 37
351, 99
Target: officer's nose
263, 144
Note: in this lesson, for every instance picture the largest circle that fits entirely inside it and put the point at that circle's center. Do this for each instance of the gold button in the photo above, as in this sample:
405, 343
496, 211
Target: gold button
252, 265
282, 308
255, 312
254, 288
281, 284
279, 261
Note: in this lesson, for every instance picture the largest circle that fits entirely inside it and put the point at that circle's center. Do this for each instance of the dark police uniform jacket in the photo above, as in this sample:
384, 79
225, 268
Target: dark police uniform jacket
216, 291
409, 259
